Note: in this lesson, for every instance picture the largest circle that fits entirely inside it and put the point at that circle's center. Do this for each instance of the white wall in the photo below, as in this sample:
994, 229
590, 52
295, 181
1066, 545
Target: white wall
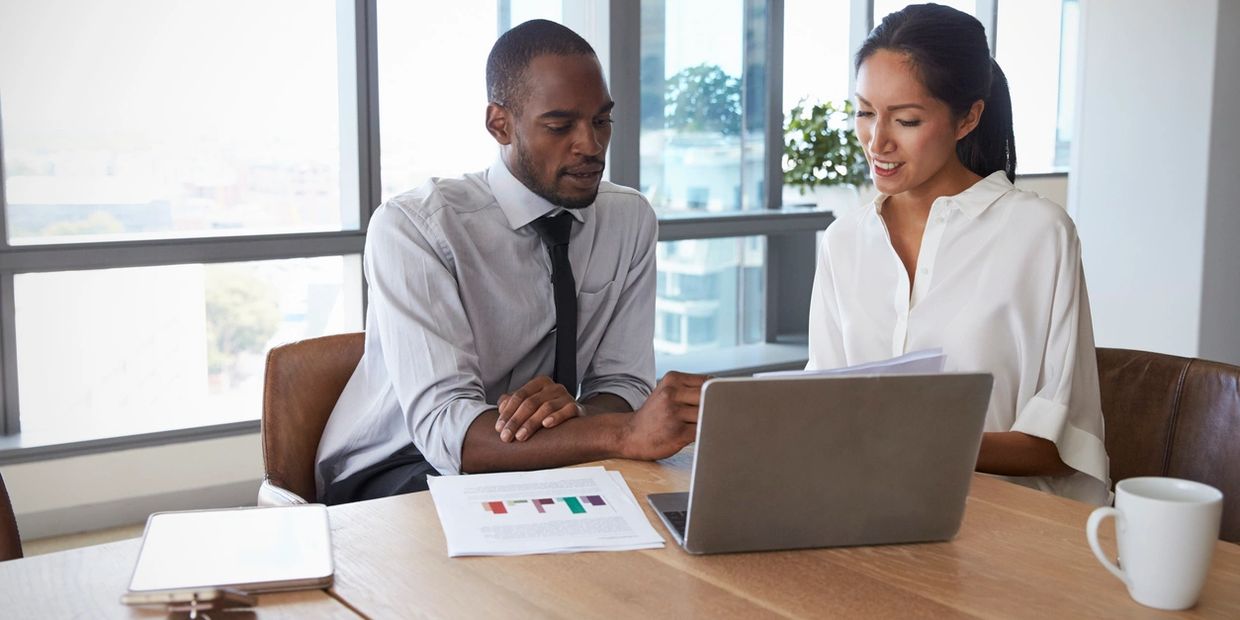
1143, 183
1053, 188
98, 491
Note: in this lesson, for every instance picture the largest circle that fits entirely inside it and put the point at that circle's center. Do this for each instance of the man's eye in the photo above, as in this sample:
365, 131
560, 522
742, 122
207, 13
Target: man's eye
603, 122
559, 128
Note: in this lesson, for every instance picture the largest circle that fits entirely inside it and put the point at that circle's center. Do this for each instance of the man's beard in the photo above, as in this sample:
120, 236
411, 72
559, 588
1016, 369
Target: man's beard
524, 172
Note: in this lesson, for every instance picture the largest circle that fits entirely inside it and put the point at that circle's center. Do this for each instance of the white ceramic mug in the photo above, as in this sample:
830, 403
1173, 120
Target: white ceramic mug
1166, 529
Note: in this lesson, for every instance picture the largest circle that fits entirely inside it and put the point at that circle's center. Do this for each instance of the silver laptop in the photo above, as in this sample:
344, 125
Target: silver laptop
797, 462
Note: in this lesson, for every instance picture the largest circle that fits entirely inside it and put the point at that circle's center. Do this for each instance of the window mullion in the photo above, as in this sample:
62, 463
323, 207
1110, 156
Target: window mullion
625, 28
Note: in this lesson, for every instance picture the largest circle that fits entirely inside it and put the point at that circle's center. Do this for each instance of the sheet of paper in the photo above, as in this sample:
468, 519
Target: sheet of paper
551, 511
925, 362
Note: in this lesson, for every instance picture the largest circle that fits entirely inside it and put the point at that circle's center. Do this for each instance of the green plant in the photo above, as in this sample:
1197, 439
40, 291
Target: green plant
703, 98
820, 147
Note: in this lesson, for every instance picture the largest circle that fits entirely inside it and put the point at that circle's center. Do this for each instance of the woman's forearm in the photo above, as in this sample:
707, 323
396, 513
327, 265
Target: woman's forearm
1016, 454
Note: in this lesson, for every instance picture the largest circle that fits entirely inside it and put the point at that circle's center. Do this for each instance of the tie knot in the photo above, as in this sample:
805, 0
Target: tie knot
554, 231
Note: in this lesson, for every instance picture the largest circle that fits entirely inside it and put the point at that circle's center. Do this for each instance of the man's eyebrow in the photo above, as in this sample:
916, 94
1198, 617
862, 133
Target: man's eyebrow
556, 114
569, 114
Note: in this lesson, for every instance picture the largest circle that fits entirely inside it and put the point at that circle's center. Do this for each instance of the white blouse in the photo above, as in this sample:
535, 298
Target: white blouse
1000, 288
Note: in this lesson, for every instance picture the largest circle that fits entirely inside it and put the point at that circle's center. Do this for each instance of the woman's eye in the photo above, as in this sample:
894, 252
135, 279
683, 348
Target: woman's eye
863, 114
908, 123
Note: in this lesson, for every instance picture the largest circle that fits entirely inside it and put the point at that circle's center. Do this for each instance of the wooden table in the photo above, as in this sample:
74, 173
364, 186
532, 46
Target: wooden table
1020, 553
88, 582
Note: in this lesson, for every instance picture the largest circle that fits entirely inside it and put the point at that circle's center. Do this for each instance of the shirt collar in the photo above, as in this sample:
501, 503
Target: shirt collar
520, 205
973, 201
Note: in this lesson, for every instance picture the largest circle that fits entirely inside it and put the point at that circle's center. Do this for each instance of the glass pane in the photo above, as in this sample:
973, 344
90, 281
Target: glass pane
1034, 53
702, 115
442, 46
711, 293
883, 8
817, 62
115, 352
127, 119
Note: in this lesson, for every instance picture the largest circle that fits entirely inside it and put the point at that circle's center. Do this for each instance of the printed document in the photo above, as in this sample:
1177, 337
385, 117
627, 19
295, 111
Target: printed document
925, 362
550, 511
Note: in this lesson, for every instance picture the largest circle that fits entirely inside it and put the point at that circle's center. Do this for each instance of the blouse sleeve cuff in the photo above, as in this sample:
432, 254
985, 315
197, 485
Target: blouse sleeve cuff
1080, 450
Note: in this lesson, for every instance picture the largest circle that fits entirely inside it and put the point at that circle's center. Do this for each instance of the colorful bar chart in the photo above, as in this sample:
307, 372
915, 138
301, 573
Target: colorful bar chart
575, 505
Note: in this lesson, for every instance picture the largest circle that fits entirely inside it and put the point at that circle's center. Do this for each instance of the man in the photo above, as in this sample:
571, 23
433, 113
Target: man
482, 286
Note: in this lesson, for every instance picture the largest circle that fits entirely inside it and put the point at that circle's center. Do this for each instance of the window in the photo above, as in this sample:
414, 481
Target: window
123, 351
1042, 85
709, 294
702, 112
432, 85
222, 131
181, 192
185, 185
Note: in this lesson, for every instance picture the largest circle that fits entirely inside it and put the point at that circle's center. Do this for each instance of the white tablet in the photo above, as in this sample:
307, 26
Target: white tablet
247, 549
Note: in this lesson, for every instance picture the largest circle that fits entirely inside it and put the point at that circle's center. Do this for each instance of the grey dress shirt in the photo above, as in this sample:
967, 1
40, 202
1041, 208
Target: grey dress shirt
461, 311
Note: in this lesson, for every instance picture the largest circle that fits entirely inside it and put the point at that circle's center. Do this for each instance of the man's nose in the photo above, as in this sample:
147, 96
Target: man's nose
589, 141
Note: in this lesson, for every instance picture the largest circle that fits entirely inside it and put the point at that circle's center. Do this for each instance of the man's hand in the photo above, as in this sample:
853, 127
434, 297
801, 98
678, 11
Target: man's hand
667, 421
541, 403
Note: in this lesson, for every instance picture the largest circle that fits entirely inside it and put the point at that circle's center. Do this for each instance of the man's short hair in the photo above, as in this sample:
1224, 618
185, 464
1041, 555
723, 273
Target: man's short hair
514, 50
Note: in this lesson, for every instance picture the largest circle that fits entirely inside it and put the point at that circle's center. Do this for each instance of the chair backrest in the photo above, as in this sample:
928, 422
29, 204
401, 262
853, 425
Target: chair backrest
10, 541
304, 380
1174, 416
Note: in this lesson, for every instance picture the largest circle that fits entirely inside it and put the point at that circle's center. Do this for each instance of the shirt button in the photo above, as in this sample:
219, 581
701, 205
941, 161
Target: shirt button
924, 271
940, 219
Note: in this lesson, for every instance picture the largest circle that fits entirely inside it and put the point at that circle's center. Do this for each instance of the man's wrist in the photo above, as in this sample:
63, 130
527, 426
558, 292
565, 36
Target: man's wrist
616, 433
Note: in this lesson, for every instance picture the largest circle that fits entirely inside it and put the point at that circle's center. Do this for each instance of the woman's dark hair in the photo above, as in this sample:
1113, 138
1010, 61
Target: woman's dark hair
948, 49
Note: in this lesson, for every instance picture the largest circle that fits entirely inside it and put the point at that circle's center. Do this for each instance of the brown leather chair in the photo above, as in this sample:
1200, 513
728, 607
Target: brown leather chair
303, 382
1174, 416
10, 541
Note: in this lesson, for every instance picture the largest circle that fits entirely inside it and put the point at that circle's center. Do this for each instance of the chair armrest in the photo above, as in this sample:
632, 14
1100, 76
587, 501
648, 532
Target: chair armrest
271, 495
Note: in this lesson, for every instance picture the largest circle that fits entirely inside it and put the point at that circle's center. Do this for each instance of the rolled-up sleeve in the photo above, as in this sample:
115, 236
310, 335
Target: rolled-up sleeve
1067, 407
428, 345
624, 362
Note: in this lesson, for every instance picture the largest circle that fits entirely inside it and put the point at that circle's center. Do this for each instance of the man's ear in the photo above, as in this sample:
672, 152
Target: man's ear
971, 119
499, 123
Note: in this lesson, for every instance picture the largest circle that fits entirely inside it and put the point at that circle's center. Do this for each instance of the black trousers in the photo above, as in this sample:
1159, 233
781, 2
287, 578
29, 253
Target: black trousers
403, 472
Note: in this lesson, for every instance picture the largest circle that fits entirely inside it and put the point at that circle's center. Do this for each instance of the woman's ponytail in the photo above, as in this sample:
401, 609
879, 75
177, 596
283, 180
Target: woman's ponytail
991, 145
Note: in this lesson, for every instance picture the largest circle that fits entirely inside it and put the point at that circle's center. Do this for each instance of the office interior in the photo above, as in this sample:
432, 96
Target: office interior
158, 159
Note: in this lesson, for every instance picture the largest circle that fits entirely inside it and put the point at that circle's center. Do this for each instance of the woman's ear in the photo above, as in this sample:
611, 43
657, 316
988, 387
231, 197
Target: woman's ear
499, 123
971, 119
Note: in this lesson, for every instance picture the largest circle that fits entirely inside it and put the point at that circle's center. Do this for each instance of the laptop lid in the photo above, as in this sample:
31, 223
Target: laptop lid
795, 462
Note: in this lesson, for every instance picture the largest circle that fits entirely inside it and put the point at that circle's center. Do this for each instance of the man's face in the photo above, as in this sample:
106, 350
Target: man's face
555, 141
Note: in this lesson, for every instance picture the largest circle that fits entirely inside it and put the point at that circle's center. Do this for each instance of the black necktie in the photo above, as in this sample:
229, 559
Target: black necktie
554, 232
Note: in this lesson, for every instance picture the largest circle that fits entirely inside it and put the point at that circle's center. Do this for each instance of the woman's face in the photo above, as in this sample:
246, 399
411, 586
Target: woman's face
909, 136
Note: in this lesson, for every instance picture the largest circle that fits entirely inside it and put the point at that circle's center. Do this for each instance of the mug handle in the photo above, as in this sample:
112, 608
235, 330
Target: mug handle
1091, 532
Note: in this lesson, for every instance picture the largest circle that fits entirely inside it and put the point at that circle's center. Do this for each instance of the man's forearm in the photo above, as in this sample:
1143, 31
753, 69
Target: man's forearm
576, 440
605, 402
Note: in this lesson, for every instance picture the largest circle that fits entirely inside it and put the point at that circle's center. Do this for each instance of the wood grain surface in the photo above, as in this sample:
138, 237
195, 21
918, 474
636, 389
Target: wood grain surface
1019, 554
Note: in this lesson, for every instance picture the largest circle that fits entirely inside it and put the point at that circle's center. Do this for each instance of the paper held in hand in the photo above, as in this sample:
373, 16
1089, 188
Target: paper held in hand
925, 362
550, 511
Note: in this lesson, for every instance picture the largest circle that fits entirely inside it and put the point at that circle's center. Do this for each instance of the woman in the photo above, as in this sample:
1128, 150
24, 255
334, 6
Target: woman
950, 255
